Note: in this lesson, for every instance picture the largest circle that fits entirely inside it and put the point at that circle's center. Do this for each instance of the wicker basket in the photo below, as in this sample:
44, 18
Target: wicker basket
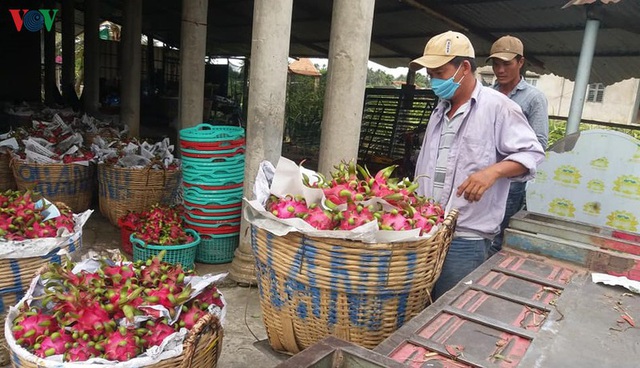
6, 175
123, 189
16, 275
201, 348
69, 183
314, 287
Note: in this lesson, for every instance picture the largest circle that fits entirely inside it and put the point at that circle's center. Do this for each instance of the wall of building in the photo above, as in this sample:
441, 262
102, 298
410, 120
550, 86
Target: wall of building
620, 103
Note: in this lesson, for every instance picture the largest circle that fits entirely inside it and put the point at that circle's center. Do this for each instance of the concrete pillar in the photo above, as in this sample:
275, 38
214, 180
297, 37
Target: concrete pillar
50, 87
131, 66
68, 50
265, 115
91, 91
193, 43
351, 26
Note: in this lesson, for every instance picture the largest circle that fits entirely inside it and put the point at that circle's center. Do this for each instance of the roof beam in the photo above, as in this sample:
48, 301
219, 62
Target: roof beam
376, 40
608, 54
439, 13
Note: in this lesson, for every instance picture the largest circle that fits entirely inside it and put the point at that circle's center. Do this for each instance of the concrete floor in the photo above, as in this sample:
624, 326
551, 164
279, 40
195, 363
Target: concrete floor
243, 320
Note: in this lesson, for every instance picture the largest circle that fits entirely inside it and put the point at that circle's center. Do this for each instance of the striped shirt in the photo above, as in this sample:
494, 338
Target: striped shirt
446, 140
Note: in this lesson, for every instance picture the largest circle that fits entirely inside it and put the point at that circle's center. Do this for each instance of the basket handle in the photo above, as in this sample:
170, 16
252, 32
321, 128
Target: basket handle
202, 126
193, 337
137, 241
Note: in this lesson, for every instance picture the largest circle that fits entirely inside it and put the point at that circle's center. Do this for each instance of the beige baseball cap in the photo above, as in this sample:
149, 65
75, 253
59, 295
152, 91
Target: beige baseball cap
442, 48
506, 48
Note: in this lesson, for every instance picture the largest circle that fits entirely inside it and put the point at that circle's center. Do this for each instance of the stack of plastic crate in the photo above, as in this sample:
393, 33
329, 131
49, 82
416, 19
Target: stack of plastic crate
213, 176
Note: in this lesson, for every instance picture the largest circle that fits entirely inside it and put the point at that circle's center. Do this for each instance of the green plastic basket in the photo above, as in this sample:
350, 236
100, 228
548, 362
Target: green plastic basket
184, 254
216, 249
233, 161
211, 133
206, 200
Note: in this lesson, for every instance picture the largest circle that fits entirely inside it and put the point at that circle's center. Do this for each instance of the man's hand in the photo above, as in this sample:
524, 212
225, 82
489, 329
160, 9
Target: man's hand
477, 183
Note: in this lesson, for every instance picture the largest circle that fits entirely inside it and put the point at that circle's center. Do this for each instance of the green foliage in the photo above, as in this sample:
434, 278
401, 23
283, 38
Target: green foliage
305, 99
557, 130
379, 78
421, 80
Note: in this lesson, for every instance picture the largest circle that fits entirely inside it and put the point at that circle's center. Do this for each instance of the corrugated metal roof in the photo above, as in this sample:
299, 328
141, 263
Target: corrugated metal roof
552, 36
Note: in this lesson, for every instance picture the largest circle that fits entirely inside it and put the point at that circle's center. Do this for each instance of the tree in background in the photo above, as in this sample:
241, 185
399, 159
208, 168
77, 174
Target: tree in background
305, 100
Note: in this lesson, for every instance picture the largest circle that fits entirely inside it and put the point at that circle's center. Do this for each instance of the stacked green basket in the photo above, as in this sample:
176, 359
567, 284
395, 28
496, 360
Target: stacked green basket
213, 176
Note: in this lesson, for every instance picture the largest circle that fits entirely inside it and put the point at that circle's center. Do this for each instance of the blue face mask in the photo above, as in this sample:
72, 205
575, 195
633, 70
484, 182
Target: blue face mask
445, 88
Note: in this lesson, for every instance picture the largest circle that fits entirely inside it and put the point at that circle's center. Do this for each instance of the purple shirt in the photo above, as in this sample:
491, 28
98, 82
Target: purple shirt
493, 129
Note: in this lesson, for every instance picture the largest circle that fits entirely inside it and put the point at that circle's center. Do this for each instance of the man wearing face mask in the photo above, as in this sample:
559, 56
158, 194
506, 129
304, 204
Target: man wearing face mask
477, 140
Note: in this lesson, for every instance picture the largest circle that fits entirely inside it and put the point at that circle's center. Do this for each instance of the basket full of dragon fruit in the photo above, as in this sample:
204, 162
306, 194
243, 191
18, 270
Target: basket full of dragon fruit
33, 232
100, 313
354, 254
160, 229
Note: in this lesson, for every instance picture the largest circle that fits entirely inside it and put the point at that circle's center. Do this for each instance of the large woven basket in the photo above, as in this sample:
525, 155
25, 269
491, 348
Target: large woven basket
314, 287
72, 184
201, 348
16, 275
123, 189
6, 175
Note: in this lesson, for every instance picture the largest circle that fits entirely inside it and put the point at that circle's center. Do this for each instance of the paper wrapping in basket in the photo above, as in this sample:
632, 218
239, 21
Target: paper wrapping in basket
171, 347
286, 179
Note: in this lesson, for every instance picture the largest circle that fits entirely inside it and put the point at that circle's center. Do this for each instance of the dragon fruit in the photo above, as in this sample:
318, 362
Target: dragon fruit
32, 325
157, 333
353, 186
287, 207
118, 274
354, 216
209, 296
122, 345
54, 344
81, 350
160, 225
320, 219
190, 316
81, 310
93, 319
394, 220
20, 219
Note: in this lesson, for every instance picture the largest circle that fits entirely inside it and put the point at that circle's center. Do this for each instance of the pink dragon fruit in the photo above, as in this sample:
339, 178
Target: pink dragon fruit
167, 299
354, 216
320, 219
208, 296
190, 316
122, 345
54, 344
81, 350
287, 207
157, 333
32, 325
118, 274
93, 319
394, 220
